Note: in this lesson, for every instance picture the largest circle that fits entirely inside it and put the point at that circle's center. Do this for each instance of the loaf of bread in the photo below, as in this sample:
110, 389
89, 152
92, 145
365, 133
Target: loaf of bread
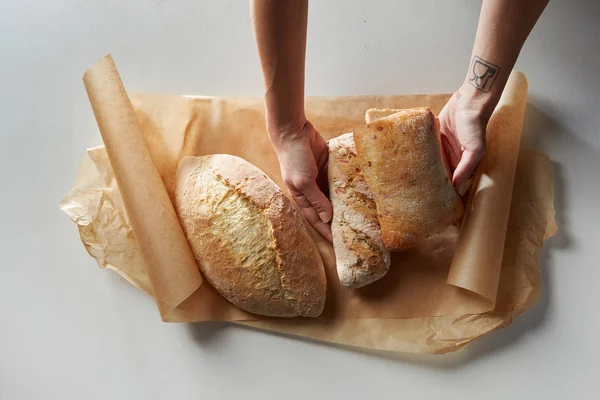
401, 159
360, 255
248, 240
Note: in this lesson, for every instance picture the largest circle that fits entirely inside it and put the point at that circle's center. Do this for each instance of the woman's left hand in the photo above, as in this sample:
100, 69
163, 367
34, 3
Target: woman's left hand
463, 123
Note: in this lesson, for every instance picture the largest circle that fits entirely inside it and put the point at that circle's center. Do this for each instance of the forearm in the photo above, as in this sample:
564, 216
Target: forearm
280, 31
503, 28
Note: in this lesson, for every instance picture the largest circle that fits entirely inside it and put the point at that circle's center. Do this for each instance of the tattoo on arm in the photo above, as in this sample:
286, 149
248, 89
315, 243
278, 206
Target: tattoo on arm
483, 74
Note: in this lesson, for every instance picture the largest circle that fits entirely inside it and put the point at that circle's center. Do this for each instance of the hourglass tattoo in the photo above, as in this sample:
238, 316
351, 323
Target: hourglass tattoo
483, 74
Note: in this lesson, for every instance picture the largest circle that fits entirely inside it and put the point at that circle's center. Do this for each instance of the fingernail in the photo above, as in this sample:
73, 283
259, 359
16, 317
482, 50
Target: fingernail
324, 217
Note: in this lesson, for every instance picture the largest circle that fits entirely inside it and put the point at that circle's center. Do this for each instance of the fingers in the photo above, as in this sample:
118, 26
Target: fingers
314, 204
315, 198
313, 218
450, 153
323, 180
449, 141
466, 167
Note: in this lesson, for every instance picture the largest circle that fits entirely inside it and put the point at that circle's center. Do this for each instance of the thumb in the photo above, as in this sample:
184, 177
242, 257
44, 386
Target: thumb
465, 168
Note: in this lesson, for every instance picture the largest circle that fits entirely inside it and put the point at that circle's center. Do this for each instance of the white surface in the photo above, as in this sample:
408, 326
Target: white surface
71, 331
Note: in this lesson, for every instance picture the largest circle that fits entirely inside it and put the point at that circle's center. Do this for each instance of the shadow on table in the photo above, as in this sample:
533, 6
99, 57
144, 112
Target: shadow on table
536, 126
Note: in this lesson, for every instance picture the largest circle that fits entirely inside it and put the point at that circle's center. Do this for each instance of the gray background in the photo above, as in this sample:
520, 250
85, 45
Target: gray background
69, 330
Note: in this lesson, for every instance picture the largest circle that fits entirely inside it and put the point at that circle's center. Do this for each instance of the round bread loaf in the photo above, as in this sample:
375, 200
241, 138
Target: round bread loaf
248, 240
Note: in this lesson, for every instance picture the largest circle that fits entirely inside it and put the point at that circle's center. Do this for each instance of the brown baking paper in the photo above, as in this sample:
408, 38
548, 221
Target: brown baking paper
487, 211
412, 309
170, 264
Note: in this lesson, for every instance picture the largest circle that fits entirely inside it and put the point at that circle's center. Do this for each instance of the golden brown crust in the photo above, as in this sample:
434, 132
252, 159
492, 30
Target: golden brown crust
361, 257
402, 162
249, 241
373, 114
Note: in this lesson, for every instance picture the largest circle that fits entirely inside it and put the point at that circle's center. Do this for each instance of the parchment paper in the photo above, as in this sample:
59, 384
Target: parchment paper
412, 309
157, 230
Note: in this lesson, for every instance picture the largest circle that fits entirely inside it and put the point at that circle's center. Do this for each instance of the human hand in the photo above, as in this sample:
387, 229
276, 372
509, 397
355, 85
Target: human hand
463, 122
303, 155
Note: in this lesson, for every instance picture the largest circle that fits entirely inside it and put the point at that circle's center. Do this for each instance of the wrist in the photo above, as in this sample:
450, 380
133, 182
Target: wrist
284, 114
283, 131
479, 103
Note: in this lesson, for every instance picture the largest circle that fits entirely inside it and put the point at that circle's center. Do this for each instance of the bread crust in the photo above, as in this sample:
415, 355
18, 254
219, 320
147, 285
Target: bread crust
401, 159
248, 240
361, 257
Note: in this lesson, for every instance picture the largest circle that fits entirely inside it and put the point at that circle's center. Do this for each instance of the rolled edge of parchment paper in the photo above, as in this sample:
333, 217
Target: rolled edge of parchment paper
478, 257
170, 264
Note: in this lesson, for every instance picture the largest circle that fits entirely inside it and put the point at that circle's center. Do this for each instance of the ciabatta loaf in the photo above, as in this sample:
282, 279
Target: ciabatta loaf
401, 159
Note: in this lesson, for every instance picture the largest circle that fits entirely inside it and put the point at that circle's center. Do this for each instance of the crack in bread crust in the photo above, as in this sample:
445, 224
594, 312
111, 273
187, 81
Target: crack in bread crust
270, 262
